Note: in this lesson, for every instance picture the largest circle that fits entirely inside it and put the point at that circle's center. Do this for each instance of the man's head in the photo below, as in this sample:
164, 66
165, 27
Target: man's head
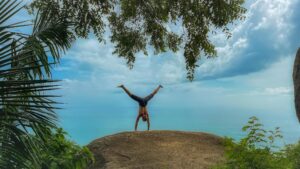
144, 117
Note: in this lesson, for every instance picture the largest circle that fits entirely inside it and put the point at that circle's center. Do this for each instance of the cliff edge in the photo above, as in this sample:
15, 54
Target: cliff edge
157, 149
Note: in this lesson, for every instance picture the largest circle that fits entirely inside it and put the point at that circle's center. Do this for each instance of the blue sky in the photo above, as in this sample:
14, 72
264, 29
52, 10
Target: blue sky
251, 76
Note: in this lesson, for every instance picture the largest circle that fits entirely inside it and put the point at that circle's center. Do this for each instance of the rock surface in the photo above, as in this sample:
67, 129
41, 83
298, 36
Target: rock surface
296, 79
157, 150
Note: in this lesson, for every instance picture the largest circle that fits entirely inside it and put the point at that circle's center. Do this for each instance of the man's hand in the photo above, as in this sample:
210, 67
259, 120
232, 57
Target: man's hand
121, 86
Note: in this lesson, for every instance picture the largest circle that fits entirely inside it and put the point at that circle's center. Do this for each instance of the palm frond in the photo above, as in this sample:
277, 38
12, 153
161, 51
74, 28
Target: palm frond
26, 107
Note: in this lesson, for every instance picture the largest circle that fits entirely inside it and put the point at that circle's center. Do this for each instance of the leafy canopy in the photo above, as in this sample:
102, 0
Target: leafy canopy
137, 24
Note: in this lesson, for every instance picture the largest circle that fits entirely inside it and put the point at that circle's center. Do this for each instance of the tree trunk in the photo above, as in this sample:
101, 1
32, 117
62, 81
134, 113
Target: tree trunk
296, 79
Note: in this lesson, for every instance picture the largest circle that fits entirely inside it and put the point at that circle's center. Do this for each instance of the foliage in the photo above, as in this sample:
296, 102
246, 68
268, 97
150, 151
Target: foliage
258, 150
25, 107
62, 153
293, 153
136, 24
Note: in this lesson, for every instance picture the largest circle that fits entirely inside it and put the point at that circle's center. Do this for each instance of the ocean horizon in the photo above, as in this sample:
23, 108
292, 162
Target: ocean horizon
86, 121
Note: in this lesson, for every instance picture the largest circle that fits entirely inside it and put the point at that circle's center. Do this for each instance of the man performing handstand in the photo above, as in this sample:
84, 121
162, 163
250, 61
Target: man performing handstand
143, 112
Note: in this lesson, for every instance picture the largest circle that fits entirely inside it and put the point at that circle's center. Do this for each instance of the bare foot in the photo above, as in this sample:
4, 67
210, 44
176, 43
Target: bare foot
120, 86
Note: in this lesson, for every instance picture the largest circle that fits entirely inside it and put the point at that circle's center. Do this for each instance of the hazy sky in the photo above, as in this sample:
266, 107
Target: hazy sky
250, 76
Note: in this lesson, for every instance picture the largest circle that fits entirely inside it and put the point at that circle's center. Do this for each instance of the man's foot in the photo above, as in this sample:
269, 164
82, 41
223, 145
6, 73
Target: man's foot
161, 86
120, 86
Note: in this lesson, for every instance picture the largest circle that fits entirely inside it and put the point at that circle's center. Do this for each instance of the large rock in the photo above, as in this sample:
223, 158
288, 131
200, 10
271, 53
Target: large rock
296, 79
157, 149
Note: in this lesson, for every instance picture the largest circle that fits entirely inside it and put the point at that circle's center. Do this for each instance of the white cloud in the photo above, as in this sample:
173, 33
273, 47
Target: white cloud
278, 90
274, 13
265, 18
105, 67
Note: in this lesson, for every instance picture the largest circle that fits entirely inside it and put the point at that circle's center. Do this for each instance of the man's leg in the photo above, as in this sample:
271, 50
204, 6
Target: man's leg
134, 97
153, 93
126, 90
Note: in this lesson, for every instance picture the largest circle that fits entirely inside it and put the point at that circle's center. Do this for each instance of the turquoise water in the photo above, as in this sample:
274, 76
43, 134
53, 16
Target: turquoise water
86, 120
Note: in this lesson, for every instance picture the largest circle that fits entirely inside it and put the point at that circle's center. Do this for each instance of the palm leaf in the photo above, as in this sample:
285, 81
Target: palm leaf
26, 108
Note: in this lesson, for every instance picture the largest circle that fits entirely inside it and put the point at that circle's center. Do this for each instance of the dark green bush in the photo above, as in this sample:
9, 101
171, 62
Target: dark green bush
61, 153
293, 153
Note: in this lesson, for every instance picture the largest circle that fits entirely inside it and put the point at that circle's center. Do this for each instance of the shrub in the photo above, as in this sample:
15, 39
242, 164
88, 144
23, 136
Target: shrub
293, 153
62, 153
258, 150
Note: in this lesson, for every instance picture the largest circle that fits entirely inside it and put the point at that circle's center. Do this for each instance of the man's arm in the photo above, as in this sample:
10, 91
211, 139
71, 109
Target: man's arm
148, 123
136, 122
